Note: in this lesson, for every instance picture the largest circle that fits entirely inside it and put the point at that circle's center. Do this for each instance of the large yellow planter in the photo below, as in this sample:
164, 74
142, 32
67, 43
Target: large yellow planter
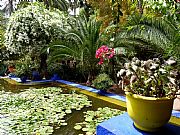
148, 113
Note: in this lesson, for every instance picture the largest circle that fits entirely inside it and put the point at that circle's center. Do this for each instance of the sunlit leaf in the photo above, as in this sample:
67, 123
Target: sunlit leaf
77, 127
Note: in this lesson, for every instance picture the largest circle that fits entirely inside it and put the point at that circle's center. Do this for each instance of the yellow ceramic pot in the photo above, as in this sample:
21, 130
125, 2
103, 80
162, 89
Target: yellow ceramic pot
148, 113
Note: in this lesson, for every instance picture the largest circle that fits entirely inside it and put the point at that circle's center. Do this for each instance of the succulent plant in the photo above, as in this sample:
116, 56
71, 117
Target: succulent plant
151, 78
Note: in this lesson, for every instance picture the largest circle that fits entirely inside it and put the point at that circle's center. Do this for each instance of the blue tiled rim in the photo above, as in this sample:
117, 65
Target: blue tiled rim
118, 97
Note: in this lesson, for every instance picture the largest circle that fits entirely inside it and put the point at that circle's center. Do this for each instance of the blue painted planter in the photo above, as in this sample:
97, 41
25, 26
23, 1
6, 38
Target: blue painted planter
55, 77
23, 79
36, 76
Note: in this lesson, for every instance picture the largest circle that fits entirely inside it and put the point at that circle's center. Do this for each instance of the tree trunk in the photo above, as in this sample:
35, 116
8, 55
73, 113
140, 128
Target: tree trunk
10, 7
140, 7
43, 65
114, 73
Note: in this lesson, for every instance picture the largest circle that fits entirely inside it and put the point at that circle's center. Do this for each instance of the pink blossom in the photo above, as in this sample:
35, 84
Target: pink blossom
103, 53
101, 61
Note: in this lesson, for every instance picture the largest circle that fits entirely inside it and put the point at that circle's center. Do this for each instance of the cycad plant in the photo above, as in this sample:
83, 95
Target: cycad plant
80, 44
150, 36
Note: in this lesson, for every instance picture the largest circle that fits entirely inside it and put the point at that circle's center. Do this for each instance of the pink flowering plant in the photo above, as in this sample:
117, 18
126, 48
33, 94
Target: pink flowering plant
104, 53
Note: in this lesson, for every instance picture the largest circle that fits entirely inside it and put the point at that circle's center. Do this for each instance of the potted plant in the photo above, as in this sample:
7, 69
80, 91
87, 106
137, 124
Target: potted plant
102, 82
54, 70
150, 92
22, 71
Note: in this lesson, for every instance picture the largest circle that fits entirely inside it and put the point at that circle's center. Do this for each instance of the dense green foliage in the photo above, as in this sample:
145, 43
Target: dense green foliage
155, 36
24, 66
145, 28
33, 26
81, 42
102, 82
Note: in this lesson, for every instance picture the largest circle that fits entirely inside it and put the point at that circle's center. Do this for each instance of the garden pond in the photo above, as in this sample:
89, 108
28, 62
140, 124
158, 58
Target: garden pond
47, 109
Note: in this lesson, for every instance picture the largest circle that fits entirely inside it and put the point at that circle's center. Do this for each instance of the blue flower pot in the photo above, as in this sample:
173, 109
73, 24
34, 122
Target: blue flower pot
36, 76
23, 79
55, 77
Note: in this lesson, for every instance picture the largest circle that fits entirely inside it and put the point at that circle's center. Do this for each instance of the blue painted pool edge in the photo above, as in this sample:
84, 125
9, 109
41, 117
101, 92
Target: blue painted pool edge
123, 125
118, 97
122, 98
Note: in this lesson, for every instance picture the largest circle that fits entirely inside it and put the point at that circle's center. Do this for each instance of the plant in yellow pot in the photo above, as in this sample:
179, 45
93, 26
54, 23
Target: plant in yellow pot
151, 90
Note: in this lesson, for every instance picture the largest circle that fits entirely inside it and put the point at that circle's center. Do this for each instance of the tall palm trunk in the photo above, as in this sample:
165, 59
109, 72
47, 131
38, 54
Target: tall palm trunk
140, 6
10, 7
43, 65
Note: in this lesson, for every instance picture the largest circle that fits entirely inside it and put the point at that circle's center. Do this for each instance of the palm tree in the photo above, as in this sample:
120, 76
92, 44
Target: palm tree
81, 43
59, 4
150, 35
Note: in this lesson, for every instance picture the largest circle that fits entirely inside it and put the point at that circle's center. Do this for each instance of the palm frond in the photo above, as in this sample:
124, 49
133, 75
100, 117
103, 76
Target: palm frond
157, 34
59, 4
81, 43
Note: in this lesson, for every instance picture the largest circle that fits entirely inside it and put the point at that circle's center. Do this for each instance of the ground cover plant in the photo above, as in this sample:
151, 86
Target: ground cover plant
37, 111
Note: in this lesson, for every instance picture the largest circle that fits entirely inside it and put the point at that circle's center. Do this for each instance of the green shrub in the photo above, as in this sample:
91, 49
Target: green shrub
33, 27
24, 66
102, 82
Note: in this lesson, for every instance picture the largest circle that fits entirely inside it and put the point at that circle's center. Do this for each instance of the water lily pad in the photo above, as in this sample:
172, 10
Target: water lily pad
88, 119
89, 133
34, 110
93, 118
63, 124
77, 127
68, 111
84, 129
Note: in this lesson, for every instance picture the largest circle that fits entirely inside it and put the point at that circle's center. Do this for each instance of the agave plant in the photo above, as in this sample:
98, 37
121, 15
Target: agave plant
153, 35
80, 44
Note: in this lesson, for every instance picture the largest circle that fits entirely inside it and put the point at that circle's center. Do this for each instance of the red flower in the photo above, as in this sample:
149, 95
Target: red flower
104, 52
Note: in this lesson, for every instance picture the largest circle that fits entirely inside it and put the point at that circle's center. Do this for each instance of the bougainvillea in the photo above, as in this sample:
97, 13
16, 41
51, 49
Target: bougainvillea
104, 53
33, 26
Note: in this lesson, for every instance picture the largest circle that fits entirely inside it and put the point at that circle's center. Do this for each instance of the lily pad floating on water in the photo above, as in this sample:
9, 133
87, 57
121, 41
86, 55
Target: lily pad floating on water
68, 111
93, 118
77, 127
37, 111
